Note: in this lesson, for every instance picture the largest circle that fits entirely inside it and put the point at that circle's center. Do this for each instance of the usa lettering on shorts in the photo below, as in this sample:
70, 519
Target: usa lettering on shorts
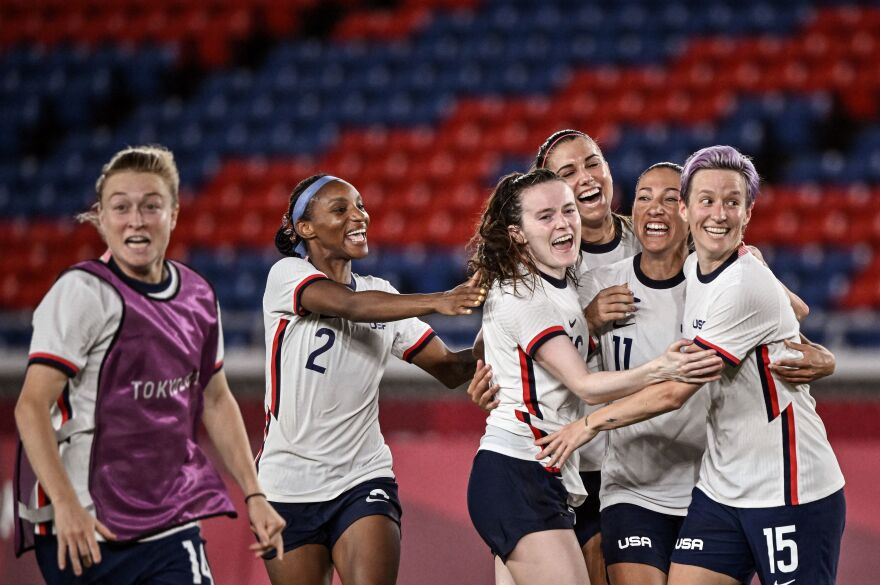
629, 541
689, 544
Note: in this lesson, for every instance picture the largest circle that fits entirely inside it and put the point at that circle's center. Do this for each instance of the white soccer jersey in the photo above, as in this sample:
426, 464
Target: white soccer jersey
74, 326
322, 433
655, 463
766, 446
625, 245
532, 403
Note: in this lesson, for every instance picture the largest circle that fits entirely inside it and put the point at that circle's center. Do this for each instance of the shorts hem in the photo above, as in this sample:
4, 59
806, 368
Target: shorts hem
588, 534
657, 564
741, 578
543, 528
333, 541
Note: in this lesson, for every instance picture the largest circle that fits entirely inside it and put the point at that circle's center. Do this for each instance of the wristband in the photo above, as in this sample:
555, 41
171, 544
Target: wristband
254, 495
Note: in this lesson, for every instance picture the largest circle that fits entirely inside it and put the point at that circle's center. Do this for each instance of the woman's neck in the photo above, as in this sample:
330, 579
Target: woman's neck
338, 269
599, 234
663, 265
709, 262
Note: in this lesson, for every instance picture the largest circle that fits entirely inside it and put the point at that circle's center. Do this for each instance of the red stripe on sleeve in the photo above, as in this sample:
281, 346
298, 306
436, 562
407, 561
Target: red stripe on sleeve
298, 291
417, 346
725, 354
542, 336
48, 356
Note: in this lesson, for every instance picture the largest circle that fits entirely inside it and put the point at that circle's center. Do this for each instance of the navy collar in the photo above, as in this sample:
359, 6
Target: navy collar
142, 287
707, 278
607, 247
556, 282
650, 282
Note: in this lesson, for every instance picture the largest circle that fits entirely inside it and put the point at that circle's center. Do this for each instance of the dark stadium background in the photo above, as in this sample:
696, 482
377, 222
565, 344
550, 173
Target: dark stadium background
422, 105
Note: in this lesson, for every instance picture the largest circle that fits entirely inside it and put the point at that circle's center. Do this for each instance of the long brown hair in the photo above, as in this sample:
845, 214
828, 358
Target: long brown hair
494, 251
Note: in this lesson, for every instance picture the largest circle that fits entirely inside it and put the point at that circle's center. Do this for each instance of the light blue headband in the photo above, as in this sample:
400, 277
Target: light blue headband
300, 207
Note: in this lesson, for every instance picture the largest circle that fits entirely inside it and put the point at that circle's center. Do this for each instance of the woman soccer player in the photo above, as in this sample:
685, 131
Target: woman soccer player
126, 357
534, 332
329, 333
606, 237
769, 497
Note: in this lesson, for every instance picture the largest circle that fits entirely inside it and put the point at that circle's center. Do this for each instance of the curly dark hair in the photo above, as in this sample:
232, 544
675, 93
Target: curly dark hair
286, 238
494, 252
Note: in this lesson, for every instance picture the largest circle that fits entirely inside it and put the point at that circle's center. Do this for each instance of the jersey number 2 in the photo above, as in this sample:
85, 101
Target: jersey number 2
331, 338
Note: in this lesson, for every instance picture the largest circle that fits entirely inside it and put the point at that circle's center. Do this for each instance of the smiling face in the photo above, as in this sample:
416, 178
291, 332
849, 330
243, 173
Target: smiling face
337, 224
581, 165
550, 226
136, 216
657, 223
717, 214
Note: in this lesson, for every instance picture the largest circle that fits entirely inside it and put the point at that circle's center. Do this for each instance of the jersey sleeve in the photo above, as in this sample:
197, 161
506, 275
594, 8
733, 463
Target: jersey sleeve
531, 319
739, 319
287, 281
410, 335
68, 322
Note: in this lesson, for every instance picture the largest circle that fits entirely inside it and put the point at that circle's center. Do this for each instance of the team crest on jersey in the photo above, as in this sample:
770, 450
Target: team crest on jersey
378, 326
698, 323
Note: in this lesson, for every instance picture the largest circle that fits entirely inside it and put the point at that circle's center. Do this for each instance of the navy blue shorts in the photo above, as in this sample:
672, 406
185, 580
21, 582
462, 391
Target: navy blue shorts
178, 559
324, 522
586, 524
783, 544
509, 498
632, 534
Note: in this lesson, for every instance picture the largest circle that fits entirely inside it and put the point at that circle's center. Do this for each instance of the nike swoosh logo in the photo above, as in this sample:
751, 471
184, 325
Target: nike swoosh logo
572, 323
775, 582
369, 499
